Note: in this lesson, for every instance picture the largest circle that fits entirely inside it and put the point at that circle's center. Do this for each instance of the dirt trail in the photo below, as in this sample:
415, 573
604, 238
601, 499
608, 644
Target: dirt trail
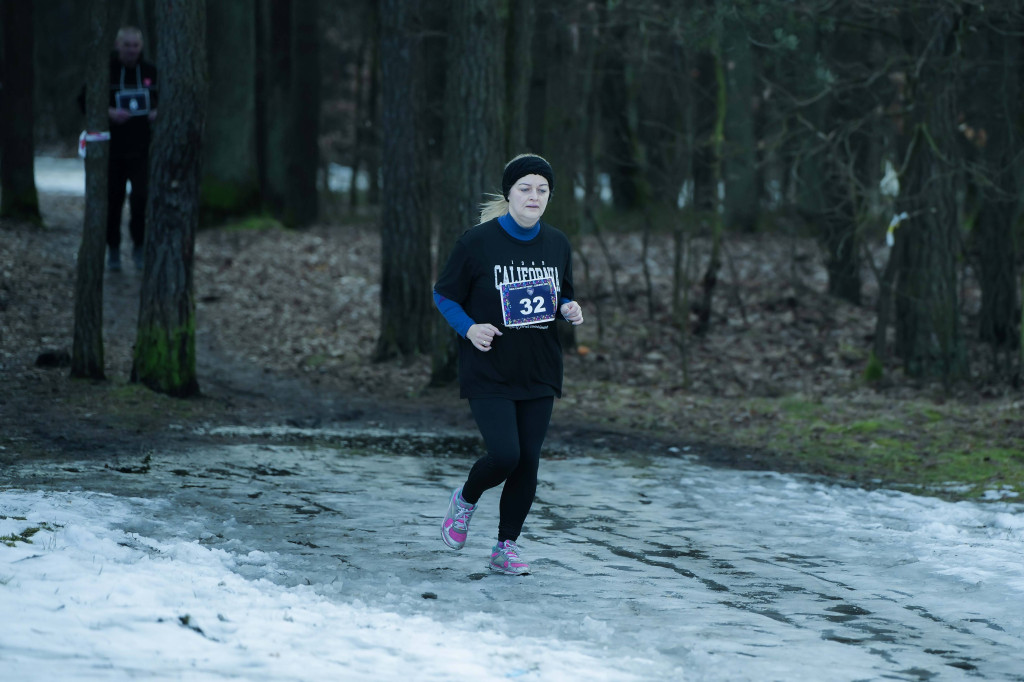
44, 413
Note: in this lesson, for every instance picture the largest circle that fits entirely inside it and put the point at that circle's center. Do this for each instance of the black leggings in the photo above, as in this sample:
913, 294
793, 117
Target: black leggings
513, 432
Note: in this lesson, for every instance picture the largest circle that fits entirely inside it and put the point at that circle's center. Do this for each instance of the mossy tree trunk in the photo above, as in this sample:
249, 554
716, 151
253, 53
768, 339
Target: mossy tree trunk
474, 140
165, 358
20, 200
405, 300
87, 343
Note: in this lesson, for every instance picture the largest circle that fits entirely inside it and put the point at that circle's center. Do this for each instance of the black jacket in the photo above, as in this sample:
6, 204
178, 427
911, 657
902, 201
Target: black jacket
131, 138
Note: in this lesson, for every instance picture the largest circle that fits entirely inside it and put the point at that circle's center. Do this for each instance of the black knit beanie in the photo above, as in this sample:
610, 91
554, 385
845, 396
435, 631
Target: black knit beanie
527, 164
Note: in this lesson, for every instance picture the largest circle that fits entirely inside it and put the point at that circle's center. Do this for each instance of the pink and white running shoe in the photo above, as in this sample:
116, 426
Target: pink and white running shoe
505, 559
455, 526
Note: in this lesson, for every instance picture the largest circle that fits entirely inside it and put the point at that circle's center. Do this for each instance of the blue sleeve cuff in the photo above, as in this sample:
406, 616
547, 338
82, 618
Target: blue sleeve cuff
454, 314
562, 302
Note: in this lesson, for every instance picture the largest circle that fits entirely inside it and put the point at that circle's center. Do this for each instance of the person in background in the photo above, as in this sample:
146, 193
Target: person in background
505, 283
132, 108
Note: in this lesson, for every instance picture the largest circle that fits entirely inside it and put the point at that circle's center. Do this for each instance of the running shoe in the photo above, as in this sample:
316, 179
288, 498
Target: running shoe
455, 526
505, 559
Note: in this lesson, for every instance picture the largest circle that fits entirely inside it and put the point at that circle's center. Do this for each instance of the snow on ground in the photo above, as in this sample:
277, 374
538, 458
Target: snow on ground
57, 175
314, 562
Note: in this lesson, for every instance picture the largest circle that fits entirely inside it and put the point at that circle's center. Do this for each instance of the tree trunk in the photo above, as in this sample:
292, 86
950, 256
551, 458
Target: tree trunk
276, 129
568, 101
364, 96
740, 145
928, 331
405, 299
262, 88
289, 94
474, 143
518, 73
60, 67
618, 112
705, 161
87, 344
829, 163
304, 147
993, 112
566, 74
709, 281
18, 197
373, 142
165, 357
997, 257
230, 184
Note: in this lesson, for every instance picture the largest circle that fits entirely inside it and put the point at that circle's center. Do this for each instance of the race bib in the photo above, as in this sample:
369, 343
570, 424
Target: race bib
528, 302
136, 101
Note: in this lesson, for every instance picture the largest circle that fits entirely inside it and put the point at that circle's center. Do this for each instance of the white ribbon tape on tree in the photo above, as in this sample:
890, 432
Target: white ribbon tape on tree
86, 136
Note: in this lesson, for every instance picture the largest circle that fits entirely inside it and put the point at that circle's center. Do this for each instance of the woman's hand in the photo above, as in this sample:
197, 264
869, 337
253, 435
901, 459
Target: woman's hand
481, 336
573, 312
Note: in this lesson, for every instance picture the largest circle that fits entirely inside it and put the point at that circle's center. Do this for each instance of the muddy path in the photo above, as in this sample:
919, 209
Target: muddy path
44, 414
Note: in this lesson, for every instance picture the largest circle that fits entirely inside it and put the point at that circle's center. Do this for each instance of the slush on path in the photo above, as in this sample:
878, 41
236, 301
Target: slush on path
310, 560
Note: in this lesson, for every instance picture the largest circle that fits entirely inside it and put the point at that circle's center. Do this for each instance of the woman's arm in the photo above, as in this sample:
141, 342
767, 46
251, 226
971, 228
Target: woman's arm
454, 314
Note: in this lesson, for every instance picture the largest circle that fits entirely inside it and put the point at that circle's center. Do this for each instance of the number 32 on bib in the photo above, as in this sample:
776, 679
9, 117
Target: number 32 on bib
528, 302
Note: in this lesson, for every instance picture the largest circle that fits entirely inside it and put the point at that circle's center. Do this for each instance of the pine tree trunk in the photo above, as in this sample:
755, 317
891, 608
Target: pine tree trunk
60, 68
165, 358
365, 70
474, 142
740, 146
568, 101
276, 130
825, 189
709, 281
406, 307
288, 93
618, 106
996, 103
705, 161
304, 147
87, 359
19, 200
566, 73
518, 73
230, 182
928, 331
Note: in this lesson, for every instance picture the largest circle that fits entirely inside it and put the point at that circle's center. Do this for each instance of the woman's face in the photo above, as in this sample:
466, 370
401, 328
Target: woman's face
527, 199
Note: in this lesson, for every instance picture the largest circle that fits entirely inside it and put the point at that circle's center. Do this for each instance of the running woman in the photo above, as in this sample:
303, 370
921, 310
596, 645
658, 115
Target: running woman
505, 283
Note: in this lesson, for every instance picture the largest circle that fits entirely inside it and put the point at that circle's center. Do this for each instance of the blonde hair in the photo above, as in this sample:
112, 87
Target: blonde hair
494, 206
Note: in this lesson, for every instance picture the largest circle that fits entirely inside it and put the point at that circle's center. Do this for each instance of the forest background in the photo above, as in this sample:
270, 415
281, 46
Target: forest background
797, 224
